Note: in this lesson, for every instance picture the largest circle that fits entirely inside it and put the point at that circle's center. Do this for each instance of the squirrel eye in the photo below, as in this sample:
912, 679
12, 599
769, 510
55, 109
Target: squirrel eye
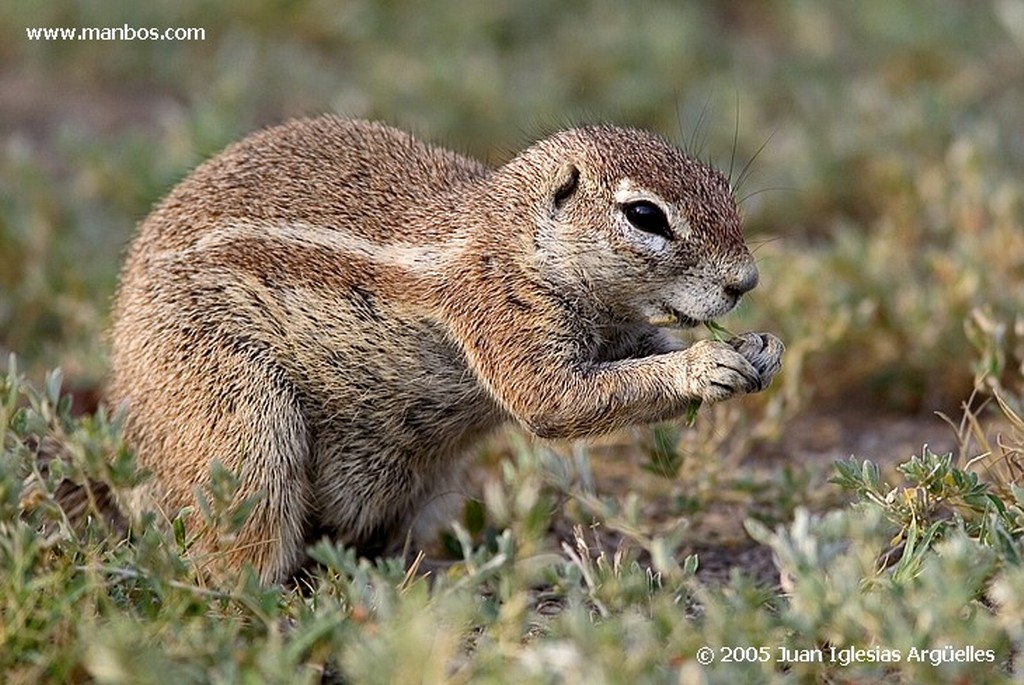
649, 218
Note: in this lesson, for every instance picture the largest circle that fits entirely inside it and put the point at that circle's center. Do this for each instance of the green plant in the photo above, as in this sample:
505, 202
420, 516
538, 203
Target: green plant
936, 499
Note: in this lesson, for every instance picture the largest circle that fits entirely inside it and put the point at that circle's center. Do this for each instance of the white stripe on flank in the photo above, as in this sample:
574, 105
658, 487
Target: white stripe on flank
411, 258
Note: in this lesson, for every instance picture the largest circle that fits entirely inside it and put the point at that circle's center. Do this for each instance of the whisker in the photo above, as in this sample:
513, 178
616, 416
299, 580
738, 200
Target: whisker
755, 245
699, 134
735, 139
763, 190
743, 174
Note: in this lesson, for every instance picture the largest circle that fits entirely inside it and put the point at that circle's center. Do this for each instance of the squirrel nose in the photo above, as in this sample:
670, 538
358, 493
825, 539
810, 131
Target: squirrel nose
742, 280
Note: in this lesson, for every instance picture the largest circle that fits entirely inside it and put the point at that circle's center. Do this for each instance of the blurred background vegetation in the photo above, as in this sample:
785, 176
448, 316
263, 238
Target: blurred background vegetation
884, 200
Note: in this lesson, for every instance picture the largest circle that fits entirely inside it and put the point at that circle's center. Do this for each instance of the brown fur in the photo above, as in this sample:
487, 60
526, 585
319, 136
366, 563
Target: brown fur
338, 311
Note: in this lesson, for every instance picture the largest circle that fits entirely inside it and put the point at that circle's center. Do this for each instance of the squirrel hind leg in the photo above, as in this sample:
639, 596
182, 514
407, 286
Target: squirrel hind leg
186, 424
273, 471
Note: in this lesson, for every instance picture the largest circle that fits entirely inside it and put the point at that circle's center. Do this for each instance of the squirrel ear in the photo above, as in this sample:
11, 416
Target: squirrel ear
566, 182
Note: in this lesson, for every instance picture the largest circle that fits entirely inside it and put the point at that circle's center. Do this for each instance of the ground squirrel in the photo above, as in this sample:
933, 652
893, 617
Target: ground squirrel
338, 312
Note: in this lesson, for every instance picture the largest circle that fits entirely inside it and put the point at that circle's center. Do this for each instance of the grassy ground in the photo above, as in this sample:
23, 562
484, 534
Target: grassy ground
883, 198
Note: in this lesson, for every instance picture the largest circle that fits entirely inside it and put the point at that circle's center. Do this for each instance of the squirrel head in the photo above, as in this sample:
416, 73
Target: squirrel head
630, 221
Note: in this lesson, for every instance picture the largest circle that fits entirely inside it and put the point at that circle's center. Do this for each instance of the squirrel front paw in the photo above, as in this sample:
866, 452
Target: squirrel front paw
764, 352
716, 371
720, 370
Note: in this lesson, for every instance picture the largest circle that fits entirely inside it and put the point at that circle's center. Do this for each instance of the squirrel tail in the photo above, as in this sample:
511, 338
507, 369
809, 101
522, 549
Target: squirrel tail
80, 502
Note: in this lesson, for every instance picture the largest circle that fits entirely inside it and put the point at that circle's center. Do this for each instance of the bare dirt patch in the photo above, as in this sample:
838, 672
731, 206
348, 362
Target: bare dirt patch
808, 447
